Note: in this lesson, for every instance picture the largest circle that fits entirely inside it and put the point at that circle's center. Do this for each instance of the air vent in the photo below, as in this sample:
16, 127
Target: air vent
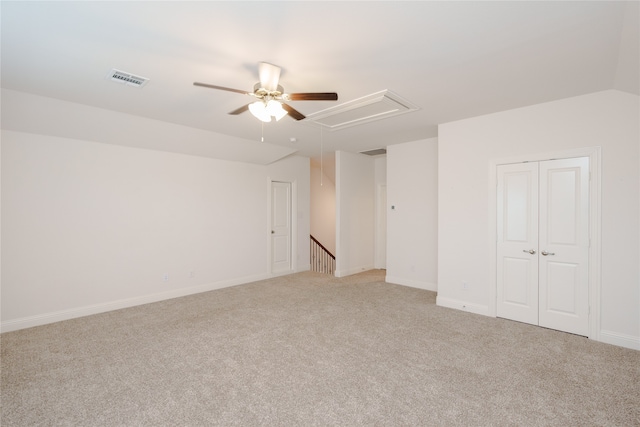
126, 78
376, 152
377, 106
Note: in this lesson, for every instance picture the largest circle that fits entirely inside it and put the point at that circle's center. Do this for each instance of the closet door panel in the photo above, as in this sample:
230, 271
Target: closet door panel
564, 245
517, 242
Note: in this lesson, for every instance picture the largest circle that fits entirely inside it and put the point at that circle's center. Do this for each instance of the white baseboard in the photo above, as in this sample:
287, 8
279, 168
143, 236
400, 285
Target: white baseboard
621, 340
608, 337
462, 305
58, 316
412, 283
356, 270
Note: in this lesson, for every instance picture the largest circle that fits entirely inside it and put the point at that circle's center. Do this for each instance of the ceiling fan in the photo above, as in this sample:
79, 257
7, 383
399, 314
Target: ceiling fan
271, 95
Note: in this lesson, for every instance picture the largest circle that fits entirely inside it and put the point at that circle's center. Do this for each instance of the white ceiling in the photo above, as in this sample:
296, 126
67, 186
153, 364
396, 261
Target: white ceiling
454, 60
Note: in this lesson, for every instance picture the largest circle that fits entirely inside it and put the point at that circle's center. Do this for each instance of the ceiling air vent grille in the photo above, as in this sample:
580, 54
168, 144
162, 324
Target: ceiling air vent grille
376, 106
376, 152
127, 78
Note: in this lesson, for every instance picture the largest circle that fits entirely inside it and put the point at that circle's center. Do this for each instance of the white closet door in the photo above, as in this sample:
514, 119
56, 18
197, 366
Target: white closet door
517, 249
564, 245
543, 244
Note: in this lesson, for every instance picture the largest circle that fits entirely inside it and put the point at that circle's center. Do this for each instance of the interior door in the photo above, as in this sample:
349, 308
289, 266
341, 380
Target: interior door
543, 244
517, 246
564, 245
280, 227
381, 231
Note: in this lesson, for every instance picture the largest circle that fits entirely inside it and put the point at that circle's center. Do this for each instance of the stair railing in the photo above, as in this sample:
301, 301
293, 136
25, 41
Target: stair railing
322, 261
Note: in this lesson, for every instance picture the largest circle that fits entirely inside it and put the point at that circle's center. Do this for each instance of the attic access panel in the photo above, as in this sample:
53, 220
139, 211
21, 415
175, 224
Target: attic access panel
377, 106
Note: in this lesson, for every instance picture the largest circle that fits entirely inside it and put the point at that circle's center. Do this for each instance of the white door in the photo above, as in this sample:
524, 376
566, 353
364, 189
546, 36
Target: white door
564, 245
517, 250
381, 229
543, 243
280, 227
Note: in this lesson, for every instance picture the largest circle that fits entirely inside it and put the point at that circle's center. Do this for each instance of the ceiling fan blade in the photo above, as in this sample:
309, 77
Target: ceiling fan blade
239, 110
295, 114
320, 96
244, 92
269, 75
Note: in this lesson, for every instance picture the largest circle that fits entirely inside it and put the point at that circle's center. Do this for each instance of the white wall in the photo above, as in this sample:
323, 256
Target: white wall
323, 208
608, 119
89, 227
355, 207
412, 227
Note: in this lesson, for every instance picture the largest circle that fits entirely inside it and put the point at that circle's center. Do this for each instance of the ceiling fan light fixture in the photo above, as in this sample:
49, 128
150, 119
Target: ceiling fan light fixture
274, 108
263, 110
259, 110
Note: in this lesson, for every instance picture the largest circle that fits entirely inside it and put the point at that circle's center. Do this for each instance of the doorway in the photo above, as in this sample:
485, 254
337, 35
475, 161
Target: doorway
281, 228
381, 228
543, 240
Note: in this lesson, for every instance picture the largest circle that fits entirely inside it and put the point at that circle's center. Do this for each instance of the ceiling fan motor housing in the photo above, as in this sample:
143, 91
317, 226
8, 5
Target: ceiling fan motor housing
261, 92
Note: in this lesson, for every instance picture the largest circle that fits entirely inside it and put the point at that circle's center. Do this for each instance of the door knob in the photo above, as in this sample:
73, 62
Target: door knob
545, 253
273, 232
530, 251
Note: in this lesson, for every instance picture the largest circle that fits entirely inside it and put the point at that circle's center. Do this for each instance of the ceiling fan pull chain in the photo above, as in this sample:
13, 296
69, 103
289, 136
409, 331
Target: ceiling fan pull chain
262, 125
321, 158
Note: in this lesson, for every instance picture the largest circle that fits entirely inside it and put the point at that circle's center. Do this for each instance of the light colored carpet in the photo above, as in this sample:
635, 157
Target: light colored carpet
309, 349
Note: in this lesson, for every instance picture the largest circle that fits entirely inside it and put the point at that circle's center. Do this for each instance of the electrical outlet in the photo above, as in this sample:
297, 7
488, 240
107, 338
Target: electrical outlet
192, 274
165, 277
465, 286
